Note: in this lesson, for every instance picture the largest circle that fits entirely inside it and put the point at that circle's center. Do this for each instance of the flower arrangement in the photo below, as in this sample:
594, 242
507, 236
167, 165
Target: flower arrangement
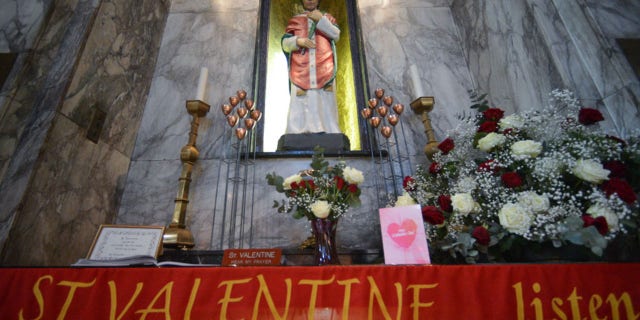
499, 183
323, 192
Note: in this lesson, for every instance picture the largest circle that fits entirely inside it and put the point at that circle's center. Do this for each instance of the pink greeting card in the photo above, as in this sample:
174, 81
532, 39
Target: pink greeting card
403, 237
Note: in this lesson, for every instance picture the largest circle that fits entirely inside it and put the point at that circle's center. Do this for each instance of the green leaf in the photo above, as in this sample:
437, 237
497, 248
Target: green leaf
276, 181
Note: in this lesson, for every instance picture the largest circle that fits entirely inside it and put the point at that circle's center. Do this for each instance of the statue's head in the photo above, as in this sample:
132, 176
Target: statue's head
310, 4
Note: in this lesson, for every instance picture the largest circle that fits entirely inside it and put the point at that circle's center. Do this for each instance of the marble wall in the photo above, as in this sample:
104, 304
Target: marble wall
20, 22
519, 50
95, 55
30, 107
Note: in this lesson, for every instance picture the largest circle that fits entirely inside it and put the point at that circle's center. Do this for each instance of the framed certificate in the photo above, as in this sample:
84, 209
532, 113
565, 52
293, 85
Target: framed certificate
113, 242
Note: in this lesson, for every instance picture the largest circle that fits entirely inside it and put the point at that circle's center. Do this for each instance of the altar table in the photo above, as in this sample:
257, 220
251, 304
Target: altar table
510, 291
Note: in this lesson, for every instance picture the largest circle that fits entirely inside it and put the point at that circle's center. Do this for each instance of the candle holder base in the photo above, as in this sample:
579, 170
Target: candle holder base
179, 237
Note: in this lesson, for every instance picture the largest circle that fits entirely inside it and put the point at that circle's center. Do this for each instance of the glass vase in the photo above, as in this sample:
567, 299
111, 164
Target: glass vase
326, 250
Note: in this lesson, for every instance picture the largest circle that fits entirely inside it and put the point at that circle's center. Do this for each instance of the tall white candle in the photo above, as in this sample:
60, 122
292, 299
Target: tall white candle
418, 91
202, 83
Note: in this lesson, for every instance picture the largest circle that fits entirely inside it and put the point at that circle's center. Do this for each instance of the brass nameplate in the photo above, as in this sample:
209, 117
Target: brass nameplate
251, 257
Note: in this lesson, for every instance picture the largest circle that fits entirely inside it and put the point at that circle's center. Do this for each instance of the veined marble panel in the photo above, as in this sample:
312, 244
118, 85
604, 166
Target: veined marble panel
598, 55
148, 197
590, 63
20, 22
64, 186
114, 77
184, 6
36, 102
398, 37
506, 53
380, 4
616, 18
624, 111
64, 208
565, 55
222, 42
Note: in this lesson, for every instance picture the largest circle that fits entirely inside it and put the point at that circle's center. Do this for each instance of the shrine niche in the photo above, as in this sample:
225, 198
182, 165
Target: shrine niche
271, 82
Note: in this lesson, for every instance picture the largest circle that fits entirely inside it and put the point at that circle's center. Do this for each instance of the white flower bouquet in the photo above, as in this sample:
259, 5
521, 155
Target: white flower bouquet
549, 177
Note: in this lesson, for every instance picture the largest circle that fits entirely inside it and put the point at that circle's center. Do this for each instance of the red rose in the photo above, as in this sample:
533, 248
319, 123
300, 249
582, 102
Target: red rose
511, 179
600, 223
408, 183
446, 145
493, 114
618, 140
587, 220
339, 182
620, 187
488, 127
307, 184
432, 215
353, 188
481, 234
488, 166
589, 116
444, 201
294, 185
434, 168
617, 169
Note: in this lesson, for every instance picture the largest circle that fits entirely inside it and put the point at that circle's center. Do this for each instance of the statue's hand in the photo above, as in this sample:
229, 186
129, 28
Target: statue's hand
315, 15
305, 43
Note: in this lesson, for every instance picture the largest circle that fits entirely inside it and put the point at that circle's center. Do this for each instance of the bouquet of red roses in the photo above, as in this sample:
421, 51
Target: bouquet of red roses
549, 176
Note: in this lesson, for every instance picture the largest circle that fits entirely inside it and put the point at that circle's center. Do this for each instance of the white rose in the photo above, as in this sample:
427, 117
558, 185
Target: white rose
291, 179
490, 141
591, 171
534, 201
598, 210
463, 203
513, 121
405, 200
515, 218
526, 149
321, 209
353, 175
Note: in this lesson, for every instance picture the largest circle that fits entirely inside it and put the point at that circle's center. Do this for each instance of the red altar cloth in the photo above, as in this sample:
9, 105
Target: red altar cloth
514, 291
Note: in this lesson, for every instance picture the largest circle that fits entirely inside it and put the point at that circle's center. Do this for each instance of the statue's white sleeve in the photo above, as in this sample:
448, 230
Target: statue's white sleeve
289, 44
328, 29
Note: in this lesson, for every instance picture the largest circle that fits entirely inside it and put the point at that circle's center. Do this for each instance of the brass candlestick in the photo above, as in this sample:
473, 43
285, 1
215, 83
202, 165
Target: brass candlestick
177, 235
423, 106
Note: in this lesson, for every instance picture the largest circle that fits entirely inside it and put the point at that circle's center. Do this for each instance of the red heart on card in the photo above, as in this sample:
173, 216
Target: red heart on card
403, 234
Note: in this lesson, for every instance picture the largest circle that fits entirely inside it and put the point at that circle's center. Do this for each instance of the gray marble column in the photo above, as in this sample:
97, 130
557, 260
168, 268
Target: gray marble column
60, 186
